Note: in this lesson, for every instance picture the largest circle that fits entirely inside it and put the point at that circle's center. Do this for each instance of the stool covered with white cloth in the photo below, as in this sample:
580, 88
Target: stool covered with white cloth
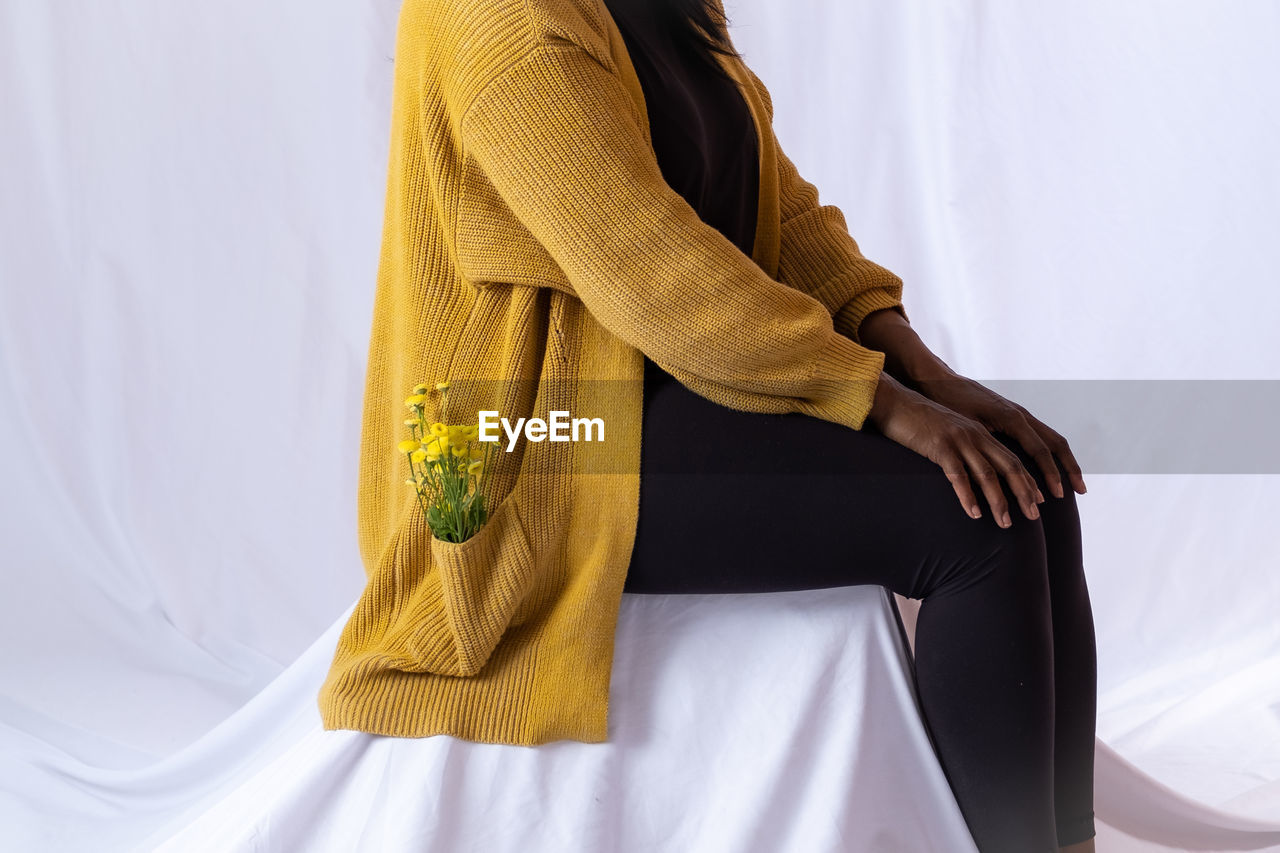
743, 722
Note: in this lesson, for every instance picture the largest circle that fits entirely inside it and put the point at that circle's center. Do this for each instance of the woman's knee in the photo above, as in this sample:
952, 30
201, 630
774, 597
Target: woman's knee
1009, 561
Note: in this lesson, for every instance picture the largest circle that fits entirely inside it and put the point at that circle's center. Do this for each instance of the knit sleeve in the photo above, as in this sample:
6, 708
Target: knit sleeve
819, 256
558, 137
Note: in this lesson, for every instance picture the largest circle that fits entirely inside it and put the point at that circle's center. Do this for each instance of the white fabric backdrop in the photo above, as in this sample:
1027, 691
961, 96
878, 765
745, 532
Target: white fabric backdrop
190, 207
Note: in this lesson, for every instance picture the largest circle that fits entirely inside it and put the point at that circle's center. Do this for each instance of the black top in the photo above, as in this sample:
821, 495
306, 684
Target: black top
701, 127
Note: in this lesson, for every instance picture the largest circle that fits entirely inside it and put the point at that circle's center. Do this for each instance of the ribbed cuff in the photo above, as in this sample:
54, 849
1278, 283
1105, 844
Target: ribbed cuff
849, 317
847, 375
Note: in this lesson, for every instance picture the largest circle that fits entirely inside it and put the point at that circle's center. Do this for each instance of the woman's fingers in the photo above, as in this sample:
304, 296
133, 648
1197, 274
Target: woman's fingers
1018, 477
1022, 429
953, 467
988, 479
987, 459
1059, 447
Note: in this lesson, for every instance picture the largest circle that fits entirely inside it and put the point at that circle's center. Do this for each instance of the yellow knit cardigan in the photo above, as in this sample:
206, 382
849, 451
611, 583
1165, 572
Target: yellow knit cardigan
531, 252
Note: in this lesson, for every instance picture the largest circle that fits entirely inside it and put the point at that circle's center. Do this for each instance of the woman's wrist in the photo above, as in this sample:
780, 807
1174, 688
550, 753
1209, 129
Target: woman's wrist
888, 393
906, 356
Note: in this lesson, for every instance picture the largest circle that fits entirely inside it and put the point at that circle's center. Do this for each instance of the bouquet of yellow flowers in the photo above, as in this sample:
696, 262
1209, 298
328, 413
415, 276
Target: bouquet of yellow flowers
449, 474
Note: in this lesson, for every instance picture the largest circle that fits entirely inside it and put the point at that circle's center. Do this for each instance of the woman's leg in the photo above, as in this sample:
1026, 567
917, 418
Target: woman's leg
743, 502
1075, 664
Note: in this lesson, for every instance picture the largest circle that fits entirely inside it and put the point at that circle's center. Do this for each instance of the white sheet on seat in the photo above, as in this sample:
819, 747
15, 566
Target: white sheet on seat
777, 722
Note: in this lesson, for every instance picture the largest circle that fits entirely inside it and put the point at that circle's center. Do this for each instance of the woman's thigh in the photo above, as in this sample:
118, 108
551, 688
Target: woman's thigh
735, 501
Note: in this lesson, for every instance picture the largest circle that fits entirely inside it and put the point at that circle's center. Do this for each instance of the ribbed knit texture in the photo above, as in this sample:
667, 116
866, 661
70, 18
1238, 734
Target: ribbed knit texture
531, 253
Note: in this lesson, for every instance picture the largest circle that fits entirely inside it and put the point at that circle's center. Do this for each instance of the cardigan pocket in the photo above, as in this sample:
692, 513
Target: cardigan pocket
493, 246
472, 594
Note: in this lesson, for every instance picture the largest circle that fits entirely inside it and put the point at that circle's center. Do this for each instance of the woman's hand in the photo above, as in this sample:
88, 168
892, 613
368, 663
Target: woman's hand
906, 356
967, 397
959, 444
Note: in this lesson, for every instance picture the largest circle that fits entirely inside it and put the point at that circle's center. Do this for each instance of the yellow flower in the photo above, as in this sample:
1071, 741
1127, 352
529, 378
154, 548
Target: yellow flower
415, 400
456, 433
421, 389
476, 467
409, 445
440, 386
411, 422
471, 432
477, 453
438, 428
418, 455
458, 450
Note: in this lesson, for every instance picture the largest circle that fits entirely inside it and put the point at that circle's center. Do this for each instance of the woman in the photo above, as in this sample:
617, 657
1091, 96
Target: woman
588, 211
993, 707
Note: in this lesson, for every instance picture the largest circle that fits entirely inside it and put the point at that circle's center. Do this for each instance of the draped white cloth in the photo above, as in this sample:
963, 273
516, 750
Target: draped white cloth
189, 219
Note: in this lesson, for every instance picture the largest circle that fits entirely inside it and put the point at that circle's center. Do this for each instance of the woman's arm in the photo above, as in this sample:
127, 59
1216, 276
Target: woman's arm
817, 254
556, 136
819, 257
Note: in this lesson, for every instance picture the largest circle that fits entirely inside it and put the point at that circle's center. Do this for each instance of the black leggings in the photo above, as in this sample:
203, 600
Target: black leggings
1005, 660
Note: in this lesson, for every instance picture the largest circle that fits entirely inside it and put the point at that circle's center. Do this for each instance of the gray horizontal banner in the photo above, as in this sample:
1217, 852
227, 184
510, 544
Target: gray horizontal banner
1159, 426
1114, 426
